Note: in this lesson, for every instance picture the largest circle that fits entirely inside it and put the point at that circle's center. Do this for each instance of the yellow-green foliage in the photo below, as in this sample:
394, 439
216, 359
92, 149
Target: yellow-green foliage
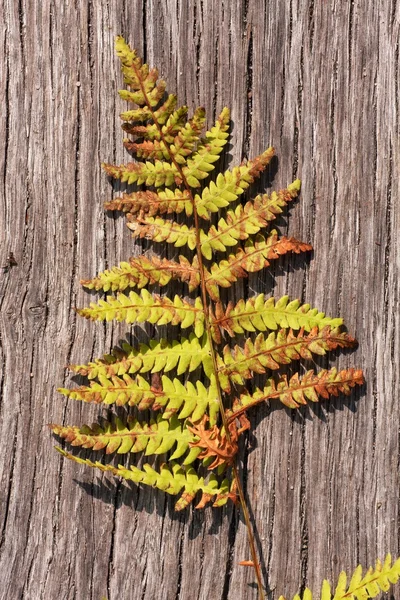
191, 379
375, 581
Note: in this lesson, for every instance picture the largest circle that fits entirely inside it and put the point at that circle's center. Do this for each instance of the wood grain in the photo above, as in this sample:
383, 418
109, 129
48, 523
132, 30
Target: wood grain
319, 81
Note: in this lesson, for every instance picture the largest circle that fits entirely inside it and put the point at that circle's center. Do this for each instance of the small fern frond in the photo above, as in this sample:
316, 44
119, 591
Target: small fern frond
183, 145
152, 437
157, 174
260, 314
148, 307
277, 349
201, 163
230, 185
172, 396
160, 355
145, 270
375, 581
295, 392
255, 256
172, 479
164, 201
238, 224
214, 444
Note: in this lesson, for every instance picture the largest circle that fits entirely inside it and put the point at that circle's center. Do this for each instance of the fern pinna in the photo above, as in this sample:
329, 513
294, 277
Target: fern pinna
196, 421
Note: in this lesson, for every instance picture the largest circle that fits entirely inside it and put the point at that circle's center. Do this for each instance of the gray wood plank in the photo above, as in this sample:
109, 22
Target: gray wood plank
320, 82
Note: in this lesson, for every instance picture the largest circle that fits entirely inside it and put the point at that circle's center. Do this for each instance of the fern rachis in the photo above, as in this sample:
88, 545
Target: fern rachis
196, 425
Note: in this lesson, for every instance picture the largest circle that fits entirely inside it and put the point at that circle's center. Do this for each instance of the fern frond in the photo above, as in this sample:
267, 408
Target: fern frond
151, 437
375, 581
260, 314
182, 146
244, 221
255, 256
160, 355
158, 174
197, 421
164, 201
213, 443
174, 121
277, 349
230, 185
172, 479
201, 163
153, 150
148, 307
295, 392
145, 270
172, 396
160, 230
238, 224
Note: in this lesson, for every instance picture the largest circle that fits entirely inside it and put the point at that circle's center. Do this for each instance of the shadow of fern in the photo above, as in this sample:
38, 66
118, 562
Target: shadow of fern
141, 499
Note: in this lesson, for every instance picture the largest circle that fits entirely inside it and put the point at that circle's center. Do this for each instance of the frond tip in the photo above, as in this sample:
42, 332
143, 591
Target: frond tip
375, 581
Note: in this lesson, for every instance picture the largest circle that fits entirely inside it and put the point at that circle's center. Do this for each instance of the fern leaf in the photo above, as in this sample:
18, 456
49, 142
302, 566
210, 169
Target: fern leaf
188, 136
182, 146
201, 163
171, 479
214, 444
237, 225
186, 355
165, 201
375, 581
277, 349
153, 150
161, 115
232, 184
154, 309
295, 392
174, 121
244, 221
158, 174
154, 437
138, 114
145, 270
260, 314
255, 256
172, 396
160, 230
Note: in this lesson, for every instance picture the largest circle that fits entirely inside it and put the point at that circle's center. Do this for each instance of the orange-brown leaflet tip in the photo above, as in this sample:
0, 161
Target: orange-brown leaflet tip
215, 444
248, 563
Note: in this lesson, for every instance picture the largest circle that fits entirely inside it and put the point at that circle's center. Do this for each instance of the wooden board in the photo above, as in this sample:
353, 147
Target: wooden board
319, 81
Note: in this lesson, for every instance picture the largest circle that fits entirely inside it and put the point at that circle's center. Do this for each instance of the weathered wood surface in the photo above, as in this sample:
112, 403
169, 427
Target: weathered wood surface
319, 81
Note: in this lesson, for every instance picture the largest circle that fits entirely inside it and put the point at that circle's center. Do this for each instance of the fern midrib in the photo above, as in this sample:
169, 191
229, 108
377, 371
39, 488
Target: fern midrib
213, 352
173, 268
283, 313
133, 434
123, 307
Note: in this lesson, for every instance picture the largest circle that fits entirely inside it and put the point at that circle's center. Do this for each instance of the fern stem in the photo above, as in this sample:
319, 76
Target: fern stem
204, 296
250, 535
